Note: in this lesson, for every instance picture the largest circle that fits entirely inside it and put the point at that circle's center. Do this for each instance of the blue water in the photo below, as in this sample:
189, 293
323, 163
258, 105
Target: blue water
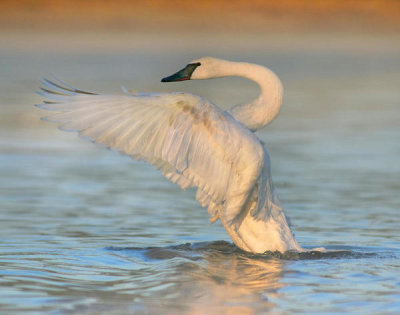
87, 230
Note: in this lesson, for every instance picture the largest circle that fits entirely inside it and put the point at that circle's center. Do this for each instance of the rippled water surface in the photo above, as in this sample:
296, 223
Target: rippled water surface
87, 230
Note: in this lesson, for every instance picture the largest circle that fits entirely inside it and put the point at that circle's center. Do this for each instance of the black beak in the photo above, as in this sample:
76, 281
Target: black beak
183, 74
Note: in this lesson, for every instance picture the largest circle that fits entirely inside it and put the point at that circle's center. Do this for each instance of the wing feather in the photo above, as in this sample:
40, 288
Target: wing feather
192, 142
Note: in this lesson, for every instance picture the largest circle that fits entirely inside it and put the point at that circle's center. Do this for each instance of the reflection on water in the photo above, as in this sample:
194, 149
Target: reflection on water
86, 230
241, 288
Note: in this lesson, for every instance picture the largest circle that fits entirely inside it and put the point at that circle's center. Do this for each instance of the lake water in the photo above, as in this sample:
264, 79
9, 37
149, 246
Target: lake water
86, 230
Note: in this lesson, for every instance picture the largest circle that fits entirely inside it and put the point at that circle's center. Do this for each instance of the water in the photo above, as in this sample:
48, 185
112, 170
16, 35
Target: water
87, 230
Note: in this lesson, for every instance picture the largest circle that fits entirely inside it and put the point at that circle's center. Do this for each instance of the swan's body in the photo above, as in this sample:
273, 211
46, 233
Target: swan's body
194, 144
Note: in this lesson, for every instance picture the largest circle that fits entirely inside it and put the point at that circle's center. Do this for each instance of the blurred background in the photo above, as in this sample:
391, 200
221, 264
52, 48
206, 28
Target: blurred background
70, 211
95, 40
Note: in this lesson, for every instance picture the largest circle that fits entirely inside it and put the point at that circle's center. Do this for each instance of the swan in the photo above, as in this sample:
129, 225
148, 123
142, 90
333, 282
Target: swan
193, 143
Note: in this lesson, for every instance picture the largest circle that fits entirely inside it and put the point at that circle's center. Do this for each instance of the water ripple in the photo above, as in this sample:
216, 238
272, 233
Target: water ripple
196, 251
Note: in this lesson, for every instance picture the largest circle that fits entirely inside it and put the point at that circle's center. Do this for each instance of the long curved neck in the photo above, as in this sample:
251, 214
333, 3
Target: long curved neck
265, 108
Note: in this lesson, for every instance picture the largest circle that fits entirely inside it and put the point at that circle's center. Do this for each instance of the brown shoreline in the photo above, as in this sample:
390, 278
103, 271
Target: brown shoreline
235, 15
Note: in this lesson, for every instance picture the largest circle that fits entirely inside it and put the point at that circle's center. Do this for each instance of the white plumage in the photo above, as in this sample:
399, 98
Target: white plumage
194, 144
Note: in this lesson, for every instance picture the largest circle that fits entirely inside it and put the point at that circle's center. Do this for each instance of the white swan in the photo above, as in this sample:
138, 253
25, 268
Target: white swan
194, 144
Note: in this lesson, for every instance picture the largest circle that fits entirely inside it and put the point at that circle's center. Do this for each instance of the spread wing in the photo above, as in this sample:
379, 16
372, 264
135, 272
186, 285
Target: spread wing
192, 142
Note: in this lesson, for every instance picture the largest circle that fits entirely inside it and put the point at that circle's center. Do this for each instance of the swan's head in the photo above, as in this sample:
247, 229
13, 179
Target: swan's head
203, 68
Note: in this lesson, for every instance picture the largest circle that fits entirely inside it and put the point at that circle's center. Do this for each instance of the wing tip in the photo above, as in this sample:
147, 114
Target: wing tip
58, 87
